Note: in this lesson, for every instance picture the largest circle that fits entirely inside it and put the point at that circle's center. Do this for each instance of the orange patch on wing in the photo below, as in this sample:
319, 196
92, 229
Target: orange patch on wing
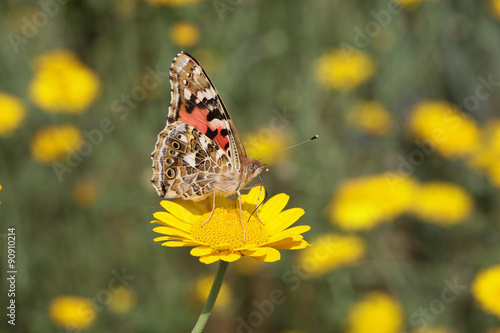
197, 119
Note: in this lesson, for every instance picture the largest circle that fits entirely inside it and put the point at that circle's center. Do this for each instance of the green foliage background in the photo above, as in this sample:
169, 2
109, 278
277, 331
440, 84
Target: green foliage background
265, 54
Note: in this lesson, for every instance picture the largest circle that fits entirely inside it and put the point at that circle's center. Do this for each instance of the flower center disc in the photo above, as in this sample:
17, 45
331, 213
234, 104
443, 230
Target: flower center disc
224, 229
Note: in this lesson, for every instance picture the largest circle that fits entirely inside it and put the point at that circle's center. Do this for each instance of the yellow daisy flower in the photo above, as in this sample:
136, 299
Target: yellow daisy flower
12, 114
377, 312
184, 34
331, 251
221, 238
486, 289
62, 84
362, 203
371, 117
442, 127
53, 143
340, 71
72, 311
442, 203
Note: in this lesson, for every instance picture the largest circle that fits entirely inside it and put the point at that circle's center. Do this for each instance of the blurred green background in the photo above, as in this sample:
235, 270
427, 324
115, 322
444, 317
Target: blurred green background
82, 218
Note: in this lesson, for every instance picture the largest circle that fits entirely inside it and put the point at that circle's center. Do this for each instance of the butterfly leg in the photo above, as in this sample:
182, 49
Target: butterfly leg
211, 213
241, 216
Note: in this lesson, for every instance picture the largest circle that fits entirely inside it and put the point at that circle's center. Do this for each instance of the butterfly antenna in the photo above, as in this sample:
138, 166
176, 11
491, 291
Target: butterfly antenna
295, 145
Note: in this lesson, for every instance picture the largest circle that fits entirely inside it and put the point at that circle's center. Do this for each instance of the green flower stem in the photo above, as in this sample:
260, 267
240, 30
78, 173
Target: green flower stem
212, 297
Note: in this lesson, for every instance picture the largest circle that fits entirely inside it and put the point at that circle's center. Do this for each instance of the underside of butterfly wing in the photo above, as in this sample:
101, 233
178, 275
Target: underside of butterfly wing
189, 165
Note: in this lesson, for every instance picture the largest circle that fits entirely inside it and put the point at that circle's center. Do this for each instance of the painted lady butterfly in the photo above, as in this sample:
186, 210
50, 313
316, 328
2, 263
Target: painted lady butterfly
199, 152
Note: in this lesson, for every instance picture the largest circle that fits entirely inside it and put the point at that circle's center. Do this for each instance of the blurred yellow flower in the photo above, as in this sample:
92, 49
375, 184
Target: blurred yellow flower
222, 238
74, 312
494, 8
442, 203
12, 114
377, 312
184, 34
362, 203
487, 157
442, 126
62, 84
331, 251
84, 193
202, 289
53, 143
341, 71
265, 141
371, 117
122, 300
486, 289
0, 189
173, 3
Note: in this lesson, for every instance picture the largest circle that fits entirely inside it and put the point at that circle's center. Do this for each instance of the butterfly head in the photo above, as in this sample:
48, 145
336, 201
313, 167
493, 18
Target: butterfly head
251, 169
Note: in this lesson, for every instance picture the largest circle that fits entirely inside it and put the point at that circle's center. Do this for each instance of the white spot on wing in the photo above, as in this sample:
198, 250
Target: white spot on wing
187, 93
209, 93
189, 160
200, 95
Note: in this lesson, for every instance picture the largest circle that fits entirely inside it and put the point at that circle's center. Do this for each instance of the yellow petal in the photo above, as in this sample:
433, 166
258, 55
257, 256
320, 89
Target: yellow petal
195, 207
201, 251
249, 201
273, 207
179, 243
289, 233
289, 243
173, 221
168, 238
178, 211
284, 220
208, 259
267, 254
172, 232
229, 256
257, 252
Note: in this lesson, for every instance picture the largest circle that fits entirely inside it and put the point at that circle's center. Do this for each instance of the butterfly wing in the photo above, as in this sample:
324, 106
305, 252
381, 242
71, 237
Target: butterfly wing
186, 163
199, 140
196, 102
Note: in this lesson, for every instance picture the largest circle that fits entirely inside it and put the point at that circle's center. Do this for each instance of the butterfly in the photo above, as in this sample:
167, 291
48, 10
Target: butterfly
199, 153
